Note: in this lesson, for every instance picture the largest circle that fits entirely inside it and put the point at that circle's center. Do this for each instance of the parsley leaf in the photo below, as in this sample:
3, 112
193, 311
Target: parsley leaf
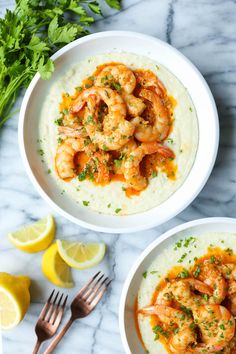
95, 7
63, 34
114, 3
31, 33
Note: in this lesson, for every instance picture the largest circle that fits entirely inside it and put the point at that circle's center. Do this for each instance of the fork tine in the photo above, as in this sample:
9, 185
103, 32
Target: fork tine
60, 313
95, 290
86, 286
48, 315
46, 306
90, 289
55, 311
99, 295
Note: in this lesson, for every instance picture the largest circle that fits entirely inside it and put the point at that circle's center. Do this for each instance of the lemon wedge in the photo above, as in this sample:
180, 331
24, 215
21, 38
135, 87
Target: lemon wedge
55, 269
81, 255
14, 299
35, 237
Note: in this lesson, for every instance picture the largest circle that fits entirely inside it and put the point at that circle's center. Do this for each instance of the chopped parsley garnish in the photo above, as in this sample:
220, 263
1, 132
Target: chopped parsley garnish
185, 243
170, 140
118, 163
65, 111
105, 148
205, 297
189, 240
184, 274
190, 108
159, 330
117, 210
82, 176
86, 203
184, 255
154, 174
197, 271
116, 86
109, 205
228, 271
58, 121
87, 141
186, 310
145, 275
49, 171
90, 119
41, 152
229, 251
212, 259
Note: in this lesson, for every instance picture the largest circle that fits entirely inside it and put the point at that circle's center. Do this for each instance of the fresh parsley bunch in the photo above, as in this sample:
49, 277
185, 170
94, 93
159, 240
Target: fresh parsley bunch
31, 33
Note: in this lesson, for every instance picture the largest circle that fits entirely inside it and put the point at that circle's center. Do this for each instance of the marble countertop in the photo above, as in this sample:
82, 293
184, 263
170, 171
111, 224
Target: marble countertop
204, 31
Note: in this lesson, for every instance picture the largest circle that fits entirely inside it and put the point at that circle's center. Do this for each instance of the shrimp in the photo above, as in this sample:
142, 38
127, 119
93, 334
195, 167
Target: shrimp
65, 154
117, 73
131, 166
185, 335
120, 77
229, 273
230, 303
116, 130
212, 276
123, 153
147, 79
72, 121
99, 166
72, 132
183, 292
159, 131
217, 326
165, 296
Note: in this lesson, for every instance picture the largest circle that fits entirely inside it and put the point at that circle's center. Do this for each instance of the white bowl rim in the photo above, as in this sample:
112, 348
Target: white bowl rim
146, 252
92, 226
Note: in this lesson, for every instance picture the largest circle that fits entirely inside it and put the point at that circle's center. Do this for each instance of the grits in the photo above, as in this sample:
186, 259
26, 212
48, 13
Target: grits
169, 257
111, 199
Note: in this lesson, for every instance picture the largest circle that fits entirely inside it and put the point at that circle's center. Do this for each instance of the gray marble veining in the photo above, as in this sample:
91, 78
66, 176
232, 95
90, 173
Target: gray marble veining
204, 31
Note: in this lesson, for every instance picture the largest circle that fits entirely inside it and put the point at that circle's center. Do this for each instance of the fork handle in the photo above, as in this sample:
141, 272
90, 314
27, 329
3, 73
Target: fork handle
58, 338
36, 347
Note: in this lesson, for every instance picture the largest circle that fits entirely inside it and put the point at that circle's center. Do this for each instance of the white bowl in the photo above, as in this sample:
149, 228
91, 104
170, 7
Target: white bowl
183, 69
129, 336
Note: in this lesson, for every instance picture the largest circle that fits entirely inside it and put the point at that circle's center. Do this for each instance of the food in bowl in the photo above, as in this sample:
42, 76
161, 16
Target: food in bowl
187, 299
118, 133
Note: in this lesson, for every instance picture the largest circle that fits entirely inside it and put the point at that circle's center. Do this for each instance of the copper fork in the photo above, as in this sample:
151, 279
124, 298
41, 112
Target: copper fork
84, 302
49, 319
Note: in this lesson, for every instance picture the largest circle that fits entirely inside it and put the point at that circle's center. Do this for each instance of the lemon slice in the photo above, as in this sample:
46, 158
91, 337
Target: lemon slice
35, 237
81, 255
55, 269
14, 299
